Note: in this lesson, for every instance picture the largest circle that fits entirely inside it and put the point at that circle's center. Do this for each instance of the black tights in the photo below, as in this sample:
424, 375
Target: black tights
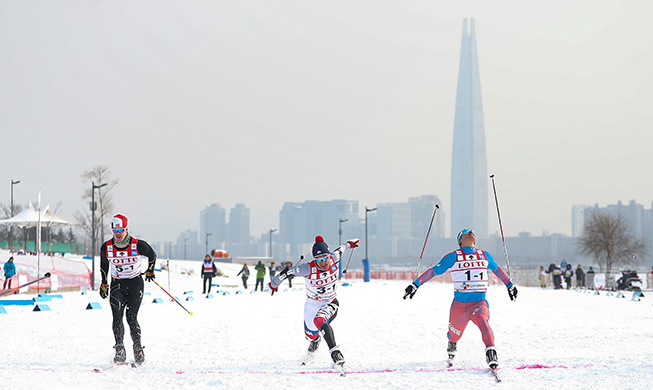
126, 294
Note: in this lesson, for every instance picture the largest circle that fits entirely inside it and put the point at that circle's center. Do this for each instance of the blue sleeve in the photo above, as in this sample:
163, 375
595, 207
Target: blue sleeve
445, 263
498, 271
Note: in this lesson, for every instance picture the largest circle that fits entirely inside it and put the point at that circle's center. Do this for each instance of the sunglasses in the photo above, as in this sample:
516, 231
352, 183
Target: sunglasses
465, 231
322, 258
118, 230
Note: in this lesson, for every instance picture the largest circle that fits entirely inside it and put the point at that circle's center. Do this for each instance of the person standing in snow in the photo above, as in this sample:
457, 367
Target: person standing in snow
542, 277
580, 276
321, 306
208, 272
469, 272
590, 278
568, 273
122, 258
10, 271
245, 272
273, 270
260, 275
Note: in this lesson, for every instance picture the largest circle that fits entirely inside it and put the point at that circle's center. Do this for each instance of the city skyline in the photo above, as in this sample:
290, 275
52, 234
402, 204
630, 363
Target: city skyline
266, 103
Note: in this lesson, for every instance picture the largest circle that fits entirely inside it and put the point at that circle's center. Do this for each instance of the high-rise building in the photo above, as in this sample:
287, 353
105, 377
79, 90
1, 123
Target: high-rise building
299, 223
212, 222
238, 227
469, 178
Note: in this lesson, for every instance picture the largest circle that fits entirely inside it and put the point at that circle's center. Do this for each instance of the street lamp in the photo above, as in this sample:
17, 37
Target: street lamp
11, 228
207, 242
271, 231
340, 221
93, 207
367, 210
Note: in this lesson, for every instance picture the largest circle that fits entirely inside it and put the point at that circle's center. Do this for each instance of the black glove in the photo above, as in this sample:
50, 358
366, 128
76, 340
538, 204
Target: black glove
104, 290
512, 292
410, 291
149, 275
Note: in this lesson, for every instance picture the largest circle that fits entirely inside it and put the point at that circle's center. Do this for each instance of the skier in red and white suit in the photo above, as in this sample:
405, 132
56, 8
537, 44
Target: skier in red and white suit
321, 306
469, 272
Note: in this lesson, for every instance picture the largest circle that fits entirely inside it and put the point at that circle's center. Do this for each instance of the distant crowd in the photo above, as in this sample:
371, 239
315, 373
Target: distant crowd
563, 274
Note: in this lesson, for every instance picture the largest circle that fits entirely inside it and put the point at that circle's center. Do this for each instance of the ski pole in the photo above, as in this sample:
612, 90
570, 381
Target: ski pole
503, 239
348, 261
173, 298
12, 290
435, 210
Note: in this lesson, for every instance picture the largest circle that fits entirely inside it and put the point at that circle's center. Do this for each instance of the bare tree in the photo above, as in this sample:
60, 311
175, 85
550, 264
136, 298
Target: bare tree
608, 238
98, 175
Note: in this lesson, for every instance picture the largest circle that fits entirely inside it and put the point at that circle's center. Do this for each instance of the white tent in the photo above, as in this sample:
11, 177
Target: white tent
29, 217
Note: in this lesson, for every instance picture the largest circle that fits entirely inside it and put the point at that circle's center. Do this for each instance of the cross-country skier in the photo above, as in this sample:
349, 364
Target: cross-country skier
123, 255
469, 272
321, 305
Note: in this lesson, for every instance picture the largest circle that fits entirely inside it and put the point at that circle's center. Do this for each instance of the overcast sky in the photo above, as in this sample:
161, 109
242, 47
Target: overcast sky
264, 102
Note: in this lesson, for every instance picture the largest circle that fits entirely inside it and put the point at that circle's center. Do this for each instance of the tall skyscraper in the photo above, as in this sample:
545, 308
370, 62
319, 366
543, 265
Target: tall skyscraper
469, 178
212, 222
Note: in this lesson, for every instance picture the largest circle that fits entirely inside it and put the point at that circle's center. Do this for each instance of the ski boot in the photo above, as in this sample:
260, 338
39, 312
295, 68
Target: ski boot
336, 356
139, 356
312, 347
121, 355
451, 350
491, 357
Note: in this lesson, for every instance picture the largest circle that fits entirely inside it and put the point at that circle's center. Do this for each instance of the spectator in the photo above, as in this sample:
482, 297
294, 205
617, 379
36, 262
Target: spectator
273, 270
556, 275
10, 272
568, 273
542, 277
590, 279
580, 276
260, 274
245, 272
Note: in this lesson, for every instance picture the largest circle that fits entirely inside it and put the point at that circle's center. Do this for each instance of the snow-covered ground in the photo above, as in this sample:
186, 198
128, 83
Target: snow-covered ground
546, 339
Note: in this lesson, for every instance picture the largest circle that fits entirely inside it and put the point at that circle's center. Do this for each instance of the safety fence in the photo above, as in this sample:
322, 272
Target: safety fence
65, 273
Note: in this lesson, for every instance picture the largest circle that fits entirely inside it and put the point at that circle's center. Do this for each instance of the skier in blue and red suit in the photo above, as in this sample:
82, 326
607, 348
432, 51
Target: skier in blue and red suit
469, 272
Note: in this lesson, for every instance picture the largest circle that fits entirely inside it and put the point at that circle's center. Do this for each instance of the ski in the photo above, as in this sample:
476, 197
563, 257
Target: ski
449, 362
495, 374
308, 358
115, 365
340, 368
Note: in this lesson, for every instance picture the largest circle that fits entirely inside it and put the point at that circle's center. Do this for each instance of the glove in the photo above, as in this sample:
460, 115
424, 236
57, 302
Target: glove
512, 292
149, 275
410, 290
353, 243
272, 289
104, 291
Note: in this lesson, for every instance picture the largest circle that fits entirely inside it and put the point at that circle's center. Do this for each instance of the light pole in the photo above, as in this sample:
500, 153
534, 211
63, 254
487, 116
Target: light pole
367, 210
340, 221
11, 228
93, 207
185, 240
271, 231
207, 242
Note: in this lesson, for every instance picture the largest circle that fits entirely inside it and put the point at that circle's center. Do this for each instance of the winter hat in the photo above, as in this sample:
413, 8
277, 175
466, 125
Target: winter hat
119, 221
320, 247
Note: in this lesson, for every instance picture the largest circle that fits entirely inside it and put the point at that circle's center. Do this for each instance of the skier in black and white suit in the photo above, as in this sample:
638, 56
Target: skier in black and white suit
321, 305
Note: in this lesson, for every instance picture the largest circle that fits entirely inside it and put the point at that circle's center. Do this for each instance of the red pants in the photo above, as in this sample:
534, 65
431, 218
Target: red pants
460, 315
